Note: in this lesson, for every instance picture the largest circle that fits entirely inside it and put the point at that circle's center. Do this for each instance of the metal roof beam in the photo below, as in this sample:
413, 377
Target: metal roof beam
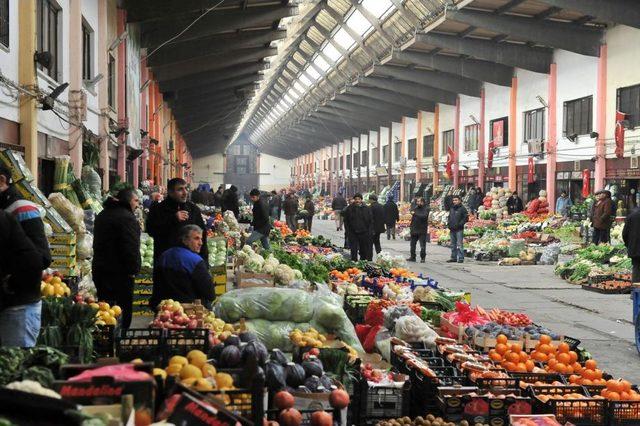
375, 22
573, 38
536, 59
406, 14
356, 124
354, 35
364, 116
476, 69
205, 78
211, 90
438, 80
391, 97
508, 6
626, 12
413, 89
362, 102
339, 48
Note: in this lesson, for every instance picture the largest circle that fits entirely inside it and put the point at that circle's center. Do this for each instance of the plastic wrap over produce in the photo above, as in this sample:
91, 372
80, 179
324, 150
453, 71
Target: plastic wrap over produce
72, 214
296, 307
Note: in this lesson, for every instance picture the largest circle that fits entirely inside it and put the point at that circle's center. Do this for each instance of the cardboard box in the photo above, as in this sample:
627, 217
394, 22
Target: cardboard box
248, 280
59, 250
61, 238
63, 262
13, 161
58, 224
32, 193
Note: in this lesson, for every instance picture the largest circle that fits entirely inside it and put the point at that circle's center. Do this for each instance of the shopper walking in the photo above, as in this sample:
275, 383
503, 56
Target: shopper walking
514, 204
230, 201
311, 210
602, 217
474, 200
116, 252
275, 205
184, 275
260, 222
631, 238
458, 216
419, 229
377, 214
391, 217
338, 204
291, 211
563, 204
358, 223
21, 272
217, 197
167, 218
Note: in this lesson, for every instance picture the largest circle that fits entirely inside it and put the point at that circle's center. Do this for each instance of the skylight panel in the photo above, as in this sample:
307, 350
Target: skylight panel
378, 8
304, 80
294, 94
358, 23
331, 52
312, 73
321, 63
343, 38
299, 87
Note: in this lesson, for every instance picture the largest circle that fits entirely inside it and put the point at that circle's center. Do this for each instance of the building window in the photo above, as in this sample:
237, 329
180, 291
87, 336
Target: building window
356, 160
578, 116
87, 51
365, 158
471, 133
374, 156
533, 125
397, 151
385, 154
411, 149
499, 131
4, 23
427, 145
241, 166
48, 34
628, 101
448, 138
348, 161
111, 89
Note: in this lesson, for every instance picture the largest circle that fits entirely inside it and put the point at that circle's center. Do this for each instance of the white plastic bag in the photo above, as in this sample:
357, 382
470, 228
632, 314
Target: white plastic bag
410, 328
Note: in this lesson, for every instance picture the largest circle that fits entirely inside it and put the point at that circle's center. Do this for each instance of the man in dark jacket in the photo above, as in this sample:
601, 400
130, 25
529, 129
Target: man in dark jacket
26, 213
458, 216
167, 217
230, 201
602, 217
116, 252
514, 204
184, 276
217, 197
291, 210
275, 205
21, 272
377, 213
337, 205
261, 224
391, 216
419, 228
631, 238
311, 210
358, 223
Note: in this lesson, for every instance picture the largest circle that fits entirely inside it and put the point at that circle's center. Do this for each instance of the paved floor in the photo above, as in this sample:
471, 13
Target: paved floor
601, 322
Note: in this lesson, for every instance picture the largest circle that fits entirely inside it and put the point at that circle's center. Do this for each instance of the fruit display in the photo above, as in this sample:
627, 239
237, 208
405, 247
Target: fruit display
310, 338
53, 286
195, 372
428, 420
171, 315
146, 251
558, 358
588, 375
537, 420
620, 390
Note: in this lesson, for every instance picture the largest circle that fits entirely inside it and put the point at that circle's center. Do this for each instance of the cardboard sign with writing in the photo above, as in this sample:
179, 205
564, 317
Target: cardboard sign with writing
191, 411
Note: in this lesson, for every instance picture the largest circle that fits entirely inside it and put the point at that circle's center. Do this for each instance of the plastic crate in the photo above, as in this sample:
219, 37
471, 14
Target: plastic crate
180, 341
580, 412
355, 306
306, 416
572, 342
623, 413
381, 402
144, 343
424, 389
104, 340
425, 354
527, 379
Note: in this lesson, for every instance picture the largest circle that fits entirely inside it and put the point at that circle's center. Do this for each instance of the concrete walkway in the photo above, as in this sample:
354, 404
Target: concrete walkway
601, 322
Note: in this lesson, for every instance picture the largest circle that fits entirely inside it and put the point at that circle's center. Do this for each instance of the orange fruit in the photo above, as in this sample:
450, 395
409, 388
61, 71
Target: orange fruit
563, 347
530, 365
521, 367
634, 396
545, 349
544, 339
512, 357
614, 396
588, 374
624, 396
586, 382
524, 357
502, 339
573, 356
552, 362
495, 356
516, 347
568, 369
509, 366
501, 348
626, 386
591, 364
541, 357
560, 368
597, 373
564, 358
615, 386
573, 379
604, 393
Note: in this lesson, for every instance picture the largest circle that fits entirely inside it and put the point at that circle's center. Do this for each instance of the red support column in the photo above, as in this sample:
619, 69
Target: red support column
513, 120
419, 149
601, 120
403, 142
436, 146
552, 141
456, 144
122, 95
481, 140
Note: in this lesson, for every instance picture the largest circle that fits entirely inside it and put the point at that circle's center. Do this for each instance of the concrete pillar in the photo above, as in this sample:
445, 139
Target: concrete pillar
436, 146
513, 122
481, 141
122, 96
552, 141
75, 83
601, 120
419, 148
456, 145
403, 154
27, 77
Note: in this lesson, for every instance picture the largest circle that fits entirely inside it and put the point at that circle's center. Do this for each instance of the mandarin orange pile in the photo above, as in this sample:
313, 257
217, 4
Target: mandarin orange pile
560, 359
545, 398
619, 390
511, 357
588, 375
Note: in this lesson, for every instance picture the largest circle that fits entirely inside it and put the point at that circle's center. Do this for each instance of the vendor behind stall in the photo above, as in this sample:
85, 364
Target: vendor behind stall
182, 274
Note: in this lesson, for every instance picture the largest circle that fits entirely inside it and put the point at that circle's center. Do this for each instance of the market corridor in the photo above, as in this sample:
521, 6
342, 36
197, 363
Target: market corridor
601, 322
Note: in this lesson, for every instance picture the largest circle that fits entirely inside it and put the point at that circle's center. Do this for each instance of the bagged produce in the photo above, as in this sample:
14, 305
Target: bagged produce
92, 180
72, 214
275, 334
274, 304
410, 328
393, 313
550, 254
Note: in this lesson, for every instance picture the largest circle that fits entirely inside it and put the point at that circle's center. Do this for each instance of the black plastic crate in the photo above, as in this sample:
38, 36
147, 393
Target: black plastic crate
623, 413
424, 389
144, 343
572, 342
496, 383
306, 416
104, 340
427, 355
380, 402
580, 412
355, 306
526, 379
180, 341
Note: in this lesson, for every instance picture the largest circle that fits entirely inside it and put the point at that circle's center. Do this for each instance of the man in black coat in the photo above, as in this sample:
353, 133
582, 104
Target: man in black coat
290, 207
183, 275
514, 204
167, 217
358, 223
391, 216
458, 216
21, 272
275, 205
419, 228
311, 210
261, 223
230, 201
631, 238
337, 205
217, 197
116, 252
377, 213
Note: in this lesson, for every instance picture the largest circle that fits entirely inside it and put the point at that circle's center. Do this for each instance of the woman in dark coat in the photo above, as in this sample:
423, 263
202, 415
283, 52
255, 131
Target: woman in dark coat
391, 216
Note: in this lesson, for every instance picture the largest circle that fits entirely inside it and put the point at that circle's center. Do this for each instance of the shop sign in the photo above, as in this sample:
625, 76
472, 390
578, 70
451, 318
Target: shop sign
498, 178
498, 132
623, 173
576, 175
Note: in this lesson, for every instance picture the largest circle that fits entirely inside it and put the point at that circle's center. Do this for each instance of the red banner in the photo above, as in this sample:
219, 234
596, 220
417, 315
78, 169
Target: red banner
586, 183
490, 155
619, 134
498, 133
449, 166
531, 171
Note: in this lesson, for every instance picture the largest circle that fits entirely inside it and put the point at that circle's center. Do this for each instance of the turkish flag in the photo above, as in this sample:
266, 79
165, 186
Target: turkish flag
490, 154
449, 166
531, 171
586, 183
619, 134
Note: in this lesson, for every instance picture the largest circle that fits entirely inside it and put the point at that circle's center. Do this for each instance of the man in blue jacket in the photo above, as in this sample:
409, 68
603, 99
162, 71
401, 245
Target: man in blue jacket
458, 216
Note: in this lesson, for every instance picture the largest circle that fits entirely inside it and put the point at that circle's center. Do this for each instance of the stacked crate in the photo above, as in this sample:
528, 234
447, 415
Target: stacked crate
142, 290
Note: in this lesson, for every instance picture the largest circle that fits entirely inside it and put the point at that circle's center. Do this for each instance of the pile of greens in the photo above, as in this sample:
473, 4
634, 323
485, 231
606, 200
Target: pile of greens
39, 363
